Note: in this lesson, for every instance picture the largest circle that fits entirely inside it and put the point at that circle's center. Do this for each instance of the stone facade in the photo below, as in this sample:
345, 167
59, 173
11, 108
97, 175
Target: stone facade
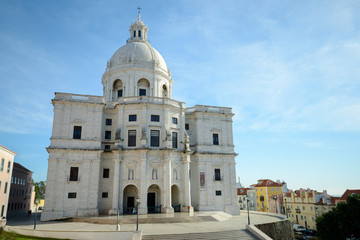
136, 142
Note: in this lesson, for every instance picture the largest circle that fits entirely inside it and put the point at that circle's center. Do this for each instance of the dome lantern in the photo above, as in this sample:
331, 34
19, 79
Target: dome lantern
138, 30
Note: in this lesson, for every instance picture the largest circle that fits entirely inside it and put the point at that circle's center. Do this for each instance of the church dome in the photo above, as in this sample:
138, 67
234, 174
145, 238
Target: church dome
138, 52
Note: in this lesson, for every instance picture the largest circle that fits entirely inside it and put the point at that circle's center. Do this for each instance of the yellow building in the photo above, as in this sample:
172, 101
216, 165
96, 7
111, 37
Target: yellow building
304, 206
300, 207
265, 190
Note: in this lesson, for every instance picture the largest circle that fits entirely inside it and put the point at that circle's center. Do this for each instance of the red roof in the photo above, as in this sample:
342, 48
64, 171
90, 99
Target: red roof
242, 191
349, 192
268, 183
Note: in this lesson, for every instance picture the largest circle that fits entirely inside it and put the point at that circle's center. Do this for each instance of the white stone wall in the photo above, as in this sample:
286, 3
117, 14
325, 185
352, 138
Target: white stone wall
203, 122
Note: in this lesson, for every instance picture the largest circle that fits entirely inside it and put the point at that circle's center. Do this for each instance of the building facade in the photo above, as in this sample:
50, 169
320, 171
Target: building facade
21, 196
303, 206
265, 190
6, 165
243, 198
135, 141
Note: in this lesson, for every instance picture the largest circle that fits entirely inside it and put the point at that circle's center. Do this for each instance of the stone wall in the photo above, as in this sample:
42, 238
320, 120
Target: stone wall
281, 230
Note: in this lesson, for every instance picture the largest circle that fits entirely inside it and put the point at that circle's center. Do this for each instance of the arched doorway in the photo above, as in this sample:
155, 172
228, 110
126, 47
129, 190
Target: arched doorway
175, 198
129, 199
153, 199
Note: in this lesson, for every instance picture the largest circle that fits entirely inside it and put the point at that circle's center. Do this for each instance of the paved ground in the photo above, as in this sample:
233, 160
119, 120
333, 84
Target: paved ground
150, 225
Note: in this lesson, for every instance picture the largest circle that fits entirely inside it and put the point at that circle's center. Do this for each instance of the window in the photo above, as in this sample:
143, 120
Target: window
174, 120
313, 219
72, 195
139, 33
155, 118
120, 93
277, 189
106, 173
301, 216
216, 139
218, 193
107, 134
217, 174
186, 126
303, 208
108, 122
272, 189
174, 140
2, 164
132, 138
5, 188
262, 198
77, 132
74, 173
134, 33
8, 168
142, 92
107, 147
105, 195
154, 138
2, 210
311, 208
132, 118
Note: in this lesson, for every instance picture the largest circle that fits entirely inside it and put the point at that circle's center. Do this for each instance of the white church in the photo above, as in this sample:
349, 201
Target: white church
135, 143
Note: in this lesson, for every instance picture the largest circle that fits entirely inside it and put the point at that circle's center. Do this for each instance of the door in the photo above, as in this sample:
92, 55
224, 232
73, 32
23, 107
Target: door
130, 204
151, 202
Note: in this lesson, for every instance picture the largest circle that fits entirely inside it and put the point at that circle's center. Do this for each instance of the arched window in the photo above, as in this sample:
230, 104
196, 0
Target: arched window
143, 87
117, 89
261, 198
164, 91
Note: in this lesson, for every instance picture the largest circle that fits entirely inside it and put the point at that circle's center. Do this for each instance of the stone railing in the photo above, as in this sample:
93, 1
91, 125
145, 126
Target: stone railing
211, 109
78, 97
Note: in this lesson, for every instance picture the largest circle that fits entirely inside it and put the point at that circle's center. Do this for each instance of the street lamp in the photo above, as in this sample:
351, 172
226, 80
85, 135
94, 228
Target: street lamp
247, 200
137, 212
36, 204
275, 198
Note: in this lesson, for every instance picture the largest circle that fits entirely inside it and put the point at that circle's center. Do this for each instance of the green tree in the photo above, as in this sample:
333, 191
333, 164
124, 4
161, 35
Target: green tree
39, 189
342, 222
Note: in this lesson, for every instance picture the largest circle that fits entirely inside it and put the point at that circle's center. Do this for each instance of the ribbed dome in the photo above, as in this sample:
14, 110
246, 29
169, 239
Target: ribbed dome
138, 52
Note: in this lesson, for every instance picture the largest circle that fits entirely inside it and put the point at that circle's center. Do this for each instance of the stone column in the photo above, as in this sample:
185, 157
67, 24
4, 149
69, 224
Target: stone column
186, 182
115, 199
142, 191
167, 208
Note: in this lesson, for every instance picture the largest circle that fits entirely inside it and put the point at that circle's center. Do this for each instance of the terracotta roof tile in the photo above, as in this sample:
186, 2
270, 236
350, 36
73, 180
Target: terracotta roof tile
348, 192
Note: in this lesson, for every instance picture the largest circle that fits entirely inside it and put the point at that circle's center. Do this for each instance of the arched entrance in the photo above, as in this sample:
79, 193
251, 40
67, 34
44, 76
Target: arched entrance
129, 200
153, 199
175, 198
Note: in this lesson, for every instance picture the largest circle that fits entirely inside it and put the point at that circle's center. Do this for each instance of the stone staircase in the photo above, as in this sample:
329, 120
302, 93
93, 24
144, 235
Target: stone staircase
226, 235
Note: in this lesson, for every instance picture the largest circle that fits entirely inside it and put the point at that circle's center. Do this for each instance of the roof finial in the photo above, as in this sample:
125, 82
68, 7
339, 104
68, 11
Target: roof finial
139, 9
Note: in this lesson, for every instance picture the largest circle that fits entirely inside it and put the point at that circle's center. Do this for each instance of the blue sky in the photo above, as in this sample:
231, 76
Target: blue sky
289, 69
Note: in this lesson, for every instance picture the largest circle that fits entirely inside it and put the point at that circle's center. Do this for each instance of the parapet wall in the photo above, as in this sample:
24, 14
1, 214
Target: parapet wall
281, 230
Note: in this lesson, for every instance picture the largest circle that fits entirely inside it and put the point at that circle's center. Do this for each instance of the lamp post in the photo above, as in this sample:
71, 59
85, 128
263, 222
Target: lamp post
275, 198
247, 200
137, 212
36, 204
